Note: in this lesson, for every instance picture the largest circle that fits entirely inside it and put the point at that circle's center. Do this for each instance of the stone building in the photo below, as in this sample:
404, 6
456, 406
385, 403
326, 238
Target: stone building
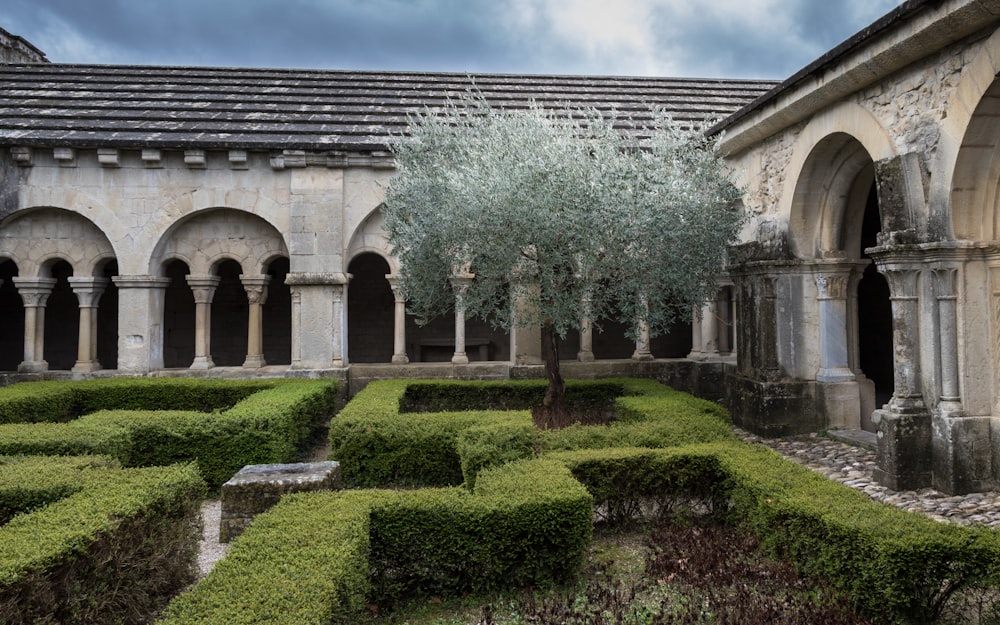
156, 221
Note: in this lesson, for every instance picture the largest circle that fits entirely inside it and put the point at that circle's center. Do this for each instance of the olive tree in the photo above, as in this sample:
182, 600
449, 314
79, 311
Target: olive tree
560, 215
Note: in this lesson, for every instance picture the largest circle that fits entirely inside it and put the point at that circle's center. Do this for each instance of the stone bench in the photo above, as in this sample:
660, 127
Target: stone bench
257, 487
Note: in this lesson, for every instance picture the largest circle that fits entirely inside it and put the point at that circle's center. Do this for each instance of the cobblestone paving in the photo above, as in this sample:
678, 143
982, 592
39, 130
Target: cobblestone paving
853, 466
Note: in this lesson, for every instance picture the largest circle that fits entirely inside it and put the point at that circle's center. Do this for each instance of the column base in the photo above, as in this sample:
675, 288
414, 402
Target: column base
400, 359
642, 355
254, 362
86, 366
33, 366
904, 455
202, 362
585, 356
835, 374
460, 358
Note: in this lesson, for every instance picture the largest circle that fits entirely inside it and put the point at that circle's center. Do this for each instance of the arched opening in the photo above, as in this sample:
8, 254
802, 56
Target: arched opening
11, 319
62, 320
874, 316
277, 315
230, 315
178, 317
370, 310
107, 319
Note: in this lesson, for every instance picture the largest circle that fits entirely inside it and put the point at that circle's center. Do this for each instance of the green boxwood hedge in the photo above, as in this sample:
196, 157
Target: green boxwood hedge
378, 445
86, 542
156, 422
317, 557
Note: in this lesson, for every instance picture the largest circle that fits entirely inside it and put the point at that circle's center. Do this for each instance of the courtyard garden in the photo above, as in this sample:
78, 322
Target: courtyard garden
455, 509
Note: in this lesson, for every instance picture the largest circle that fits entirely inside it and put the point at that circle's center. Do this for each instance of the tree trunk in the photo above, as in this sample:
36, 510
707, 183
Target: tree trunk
552, 413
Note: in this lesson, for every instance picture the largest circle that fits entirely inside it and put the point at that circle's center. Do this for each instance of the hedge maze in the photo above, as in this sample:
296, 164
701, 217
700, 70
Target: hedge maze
101, 484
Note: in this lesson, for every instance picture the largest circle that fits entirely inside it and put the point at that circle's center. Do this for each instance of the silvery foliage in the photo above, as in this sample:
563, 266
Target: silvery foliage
560, 215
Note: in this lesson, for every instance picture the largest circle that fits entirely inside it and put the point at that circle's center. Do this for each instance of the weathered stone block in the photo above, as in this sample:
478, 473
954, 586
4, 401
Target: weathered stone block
904, 449
257, 487
962, 454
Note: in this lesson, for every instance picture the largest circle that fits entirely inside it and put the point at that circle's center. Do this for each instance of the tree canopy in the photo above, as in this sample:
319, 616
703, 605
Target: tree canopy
560, 215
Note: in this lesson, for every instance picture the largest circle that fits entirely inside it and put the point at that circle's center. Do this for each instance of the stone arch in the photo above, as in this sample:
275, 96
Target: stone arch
830, 154
965, 169
207, 237
38, 237
370, 237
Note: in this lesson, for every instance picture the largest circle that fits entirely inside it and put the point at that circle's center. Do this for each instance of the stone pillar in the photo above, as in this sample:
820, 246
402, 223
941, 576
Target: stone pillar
696, 336
140, 322
709, 331
34, 293
833, 352
339, 343
88, 293
296, 296
586, 353
945, 292
399, 356
525, 333
256, 288
903, 427
203, 288
460, 283
722, 308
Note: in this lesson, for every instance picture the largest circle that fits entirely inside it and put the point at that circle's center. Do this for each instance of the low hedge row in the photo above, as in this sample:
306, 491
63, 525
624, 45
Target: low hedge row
378, 445
62, 401
893, 564
317, 557
87, 542
268, 422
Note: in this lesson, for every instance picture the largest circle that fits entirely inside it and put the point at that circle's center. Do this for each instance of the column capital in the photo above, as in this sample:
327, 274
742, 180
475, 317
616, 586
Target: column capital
88, 290
34, 291
203, 287
944, 282
832, 285
255, 287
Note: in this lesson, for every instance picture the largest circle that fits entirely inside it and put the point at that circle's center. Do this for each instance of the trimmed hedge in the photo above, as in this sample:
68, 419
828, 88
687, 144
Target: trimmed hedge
269, 422
891, 563
316, 558
62, 401
377, 445
90, 543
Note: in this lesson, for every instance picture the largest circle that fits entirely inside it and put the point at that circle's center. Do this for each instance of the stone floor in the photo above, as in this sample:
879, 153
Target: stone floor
852, 466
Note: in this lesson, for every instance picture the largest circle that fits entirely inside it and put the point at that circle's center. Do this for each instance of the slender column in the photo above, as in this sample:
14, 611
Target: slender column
88, 293
734, 320
722, 308
642, 351
460, 283
296, 296
34, 293
696, 336
833, 354
256, 288
709, 330
399, 356
586, 353
203, 288
947, 304
907, 395
339, 294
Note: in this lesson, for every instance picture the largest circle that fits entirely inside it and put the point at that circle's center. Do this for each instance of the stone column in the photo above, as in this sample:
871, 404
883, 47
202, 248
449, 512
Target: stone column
903, 427
696, 336
399, 356
947, 307
296, 297
709, 331
88, 293
722, 309
256, 289
203, 288
586, 353
140, 322
460, 284
339, 343
833, 351
34, 293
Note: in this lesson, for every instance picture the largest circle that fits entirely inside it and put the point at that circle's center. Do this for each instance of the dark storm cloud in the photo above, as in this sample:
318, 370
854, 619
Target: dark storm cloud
759, 38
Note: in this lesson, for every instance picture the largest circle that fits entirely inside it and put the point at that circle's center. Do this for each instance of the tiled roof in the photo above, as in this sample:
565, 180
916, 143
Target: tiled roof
171, 107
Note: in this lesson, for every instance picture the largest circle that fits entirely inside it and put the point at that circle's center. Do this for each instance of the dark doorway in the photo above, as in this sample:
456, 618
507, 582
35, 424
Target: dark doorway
107, 320
277, 314
370, 310
178, 318
230, 317
11, 319
62, 320
874, 316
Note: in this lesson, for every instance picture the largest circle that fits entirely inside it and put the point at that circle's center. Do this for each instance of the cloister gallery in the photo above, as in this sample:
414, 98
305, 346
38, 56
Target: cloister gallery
199, 221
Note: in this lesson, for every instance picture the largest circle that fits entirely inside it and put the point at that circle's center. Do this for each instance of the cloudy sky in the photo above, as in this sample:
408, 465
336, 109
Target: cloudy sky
698, 38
